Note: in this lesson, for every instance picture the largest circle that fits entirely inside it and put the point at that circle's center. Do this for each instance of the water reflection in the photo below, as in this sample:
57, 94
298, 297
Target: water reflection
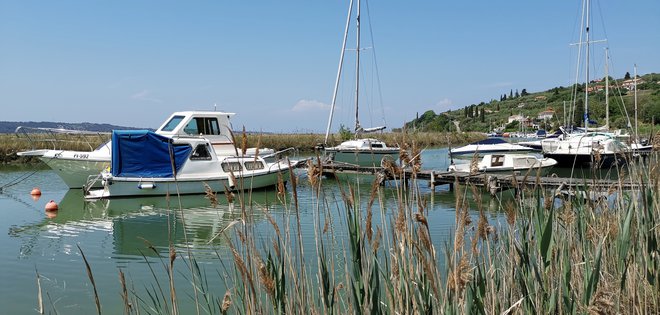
141, 226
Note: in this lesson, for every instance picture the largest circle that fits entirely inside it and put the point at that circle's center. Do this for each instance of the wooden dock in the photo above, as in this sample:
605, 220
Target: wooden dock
492, 182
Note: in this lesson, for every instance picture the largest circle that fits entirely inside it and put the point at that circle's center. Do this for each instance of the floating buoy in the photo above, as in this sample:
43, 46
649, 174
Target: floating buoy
36, 197
35, 191
51, 206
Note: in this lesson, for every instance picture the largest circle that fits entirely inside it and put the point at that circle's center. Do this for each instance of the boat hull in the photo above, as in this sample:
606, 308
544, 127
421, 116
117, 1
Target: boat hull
75, 172
365, 158
126, 187
587, 160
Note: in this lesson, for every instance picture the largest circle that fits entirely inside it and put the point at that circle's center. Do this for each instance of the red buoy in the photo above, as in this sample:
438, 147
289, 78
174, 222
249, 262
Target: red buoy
35, 191
51, 206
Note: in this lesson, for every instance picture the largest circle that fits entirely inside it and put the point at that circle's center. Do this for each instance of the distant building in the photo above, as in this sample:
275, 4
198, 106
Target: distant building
630, 83
540, 98
519, 118
546, 114
525, 121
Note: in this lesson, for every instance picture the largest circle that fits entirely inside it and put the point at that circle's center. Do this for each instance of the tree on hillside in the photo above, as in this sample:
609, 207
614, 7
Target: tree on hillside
627, 76
524, 92
498, 107
511, 94
483, 115
517, 95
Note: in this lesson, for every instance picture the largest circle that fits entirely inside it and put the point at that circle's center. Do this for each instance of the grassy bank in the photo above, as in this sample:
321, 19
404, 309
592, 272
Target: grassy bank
10, 143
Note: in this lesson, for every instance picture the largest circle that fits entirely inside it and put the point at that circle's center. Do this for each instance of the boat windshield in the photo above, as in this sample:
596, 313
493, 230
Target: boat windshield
174, 121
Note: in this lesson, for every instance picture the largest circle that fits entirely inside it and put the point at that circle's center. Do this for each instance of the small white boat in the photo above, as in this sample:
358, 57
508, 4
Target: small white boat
507, 163
145, 163
490, 145
362, 152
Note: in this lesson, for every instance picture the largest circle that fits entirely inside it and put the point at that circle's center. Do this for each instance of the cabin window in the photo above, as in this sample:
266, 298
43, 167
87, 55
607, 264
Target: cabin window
231, 167
174, 121
376, 145
497, 160
254, 165
203, 126
201, 152
191, 128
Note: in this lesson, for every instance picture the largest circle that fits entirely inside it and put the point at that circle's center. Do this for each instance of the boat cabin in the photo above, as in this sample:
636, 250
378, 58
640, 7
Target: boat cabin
212, 125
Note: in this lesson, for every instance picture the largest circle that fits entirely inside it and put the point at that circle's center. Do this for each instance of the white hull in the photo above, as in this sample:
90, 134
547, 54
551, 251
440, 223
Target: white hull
124, 187
507, 164
488, 146
75, 173
74, 167
367, 158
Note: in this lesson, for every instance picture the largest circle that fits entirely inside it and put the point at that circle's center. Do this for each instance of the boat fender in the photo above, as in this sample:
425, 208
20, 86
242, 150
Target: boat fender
146, 185
232, 182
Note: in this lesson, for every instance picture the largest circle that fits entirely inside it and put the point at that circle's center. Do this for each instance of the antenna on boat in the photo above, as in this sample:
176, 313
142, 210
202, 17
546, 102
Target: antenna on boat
215, 107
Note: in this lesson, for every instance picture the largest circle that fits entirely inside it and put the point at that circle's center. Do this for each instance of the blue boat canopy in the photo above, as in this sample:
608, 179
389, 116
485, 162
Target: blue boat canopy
491, 141
144, 153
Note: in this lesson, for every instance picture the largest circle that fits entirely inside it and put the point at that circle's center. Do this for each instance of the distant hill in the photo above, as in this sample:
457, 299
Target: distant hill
545, 109
10, 126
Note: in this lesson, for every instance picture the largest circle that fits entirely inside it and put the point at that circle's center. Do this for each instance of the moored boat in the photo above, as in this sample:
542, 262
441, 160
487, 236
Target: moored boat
507, 163
145, 163
486, 146
76, 167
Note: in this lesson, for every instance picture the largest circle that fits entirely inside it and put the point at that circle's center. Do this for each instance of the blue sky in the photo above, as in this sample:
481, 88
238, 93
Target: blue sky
274, 63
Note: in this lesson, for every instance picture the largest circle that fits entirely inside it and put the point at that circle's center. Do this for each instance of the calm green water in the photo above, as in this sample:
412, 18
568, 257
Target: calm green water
116, 234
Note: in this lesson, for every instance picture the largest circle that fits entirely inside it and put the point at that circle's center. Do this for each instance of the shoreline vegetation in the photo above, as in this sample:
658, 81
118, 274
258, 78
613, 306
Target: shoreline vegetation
304, 143
550, 254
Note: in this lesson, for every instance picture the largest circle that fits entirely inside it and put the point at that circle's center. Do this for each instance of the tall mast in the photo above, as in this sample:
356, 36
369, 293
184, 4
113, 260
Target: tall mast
341, 63
607, 90
635, 81
357, 70
586, 81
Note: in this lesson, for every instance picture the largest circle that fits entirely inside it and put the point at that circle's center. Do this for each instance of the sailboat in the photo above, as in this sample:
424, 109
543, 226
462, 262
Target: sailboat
591, 147
367, 152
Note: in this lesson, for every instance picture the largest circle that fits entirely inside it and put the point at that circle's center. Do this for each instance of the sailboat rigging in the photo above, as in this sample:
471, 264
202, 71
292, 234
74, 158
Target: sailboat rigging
597, 149
360, 151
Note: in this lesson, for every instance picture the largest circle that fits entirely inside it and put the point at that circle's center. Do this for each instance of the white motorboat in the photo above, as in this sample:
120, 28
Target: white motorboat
486, 146
145, 163
587, 149
76, 167
507, 163
360, 151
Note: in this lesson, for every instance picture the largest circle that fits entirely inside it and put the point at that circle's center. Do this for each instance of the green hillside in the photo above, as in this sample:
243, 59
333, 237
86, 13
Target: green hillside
484, 117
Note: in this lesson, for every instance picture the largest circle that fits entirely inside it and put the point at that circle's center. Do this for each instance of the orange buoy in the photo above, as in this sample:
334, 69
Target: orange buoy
36, 197
35, 191
51, 206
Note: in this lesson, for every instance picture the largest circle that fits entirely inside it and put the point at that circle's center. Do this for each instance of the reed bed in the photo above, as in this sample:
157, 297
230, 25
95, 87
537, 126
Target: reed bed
306, 143
551, 253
